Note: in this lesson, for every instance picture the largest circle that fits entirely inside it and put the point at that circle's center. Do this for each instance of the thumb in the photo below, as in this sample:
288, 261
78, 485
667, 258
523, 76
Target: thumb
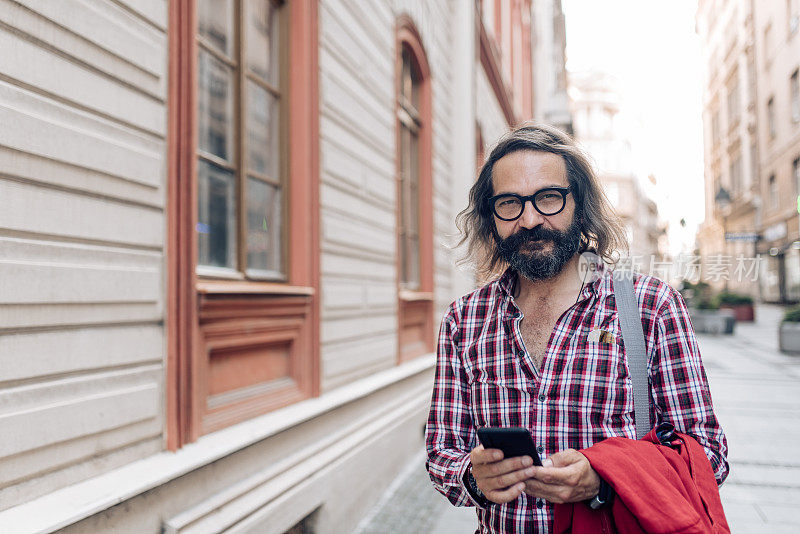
563, 458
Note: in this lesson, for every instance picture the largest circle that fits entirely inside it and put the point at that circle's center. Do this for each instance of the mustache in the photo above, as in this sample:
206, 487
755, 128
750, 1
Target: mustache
527, 235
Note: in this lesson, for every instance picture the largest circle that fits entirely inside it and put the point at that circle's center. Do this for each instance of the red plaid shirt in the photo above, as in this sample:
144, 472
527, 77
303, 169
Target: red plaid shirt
580, 396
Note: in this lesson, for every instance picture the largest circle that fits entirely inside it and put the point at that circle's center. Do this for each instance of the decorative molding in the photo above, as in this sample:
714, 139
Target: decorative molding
258, 356
267, 495
416, 328
76, 502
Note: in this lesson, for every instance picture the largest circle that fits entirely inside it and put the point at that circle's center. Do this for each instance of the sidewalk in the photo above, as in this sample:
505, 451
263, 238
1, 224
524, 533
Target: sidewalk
756, 394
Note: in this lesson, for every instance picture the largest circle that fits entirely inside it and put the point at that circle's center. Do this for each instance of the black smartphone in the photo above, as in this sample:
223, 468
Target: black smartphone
513, 441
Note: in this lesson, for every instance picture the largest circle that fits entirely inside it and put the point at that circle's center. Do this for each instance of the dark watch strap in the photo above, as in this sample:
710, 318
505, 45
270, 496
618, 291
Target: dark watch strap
604, 495
472, 486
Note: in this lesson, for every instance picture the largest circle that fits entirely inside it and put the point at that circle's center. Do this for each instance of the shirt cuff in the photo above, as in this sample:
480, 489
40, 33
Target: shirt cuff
477, 500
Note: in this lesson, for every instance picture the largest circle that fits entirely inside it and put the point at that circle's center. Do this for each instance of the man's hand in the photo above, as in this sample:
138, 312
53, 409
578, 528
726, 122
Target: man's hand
500, 480
565, 476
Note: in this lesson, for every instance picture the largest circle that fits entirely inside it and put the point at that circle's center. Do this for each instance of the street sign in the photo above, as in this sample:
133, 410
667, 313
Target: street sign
748, 237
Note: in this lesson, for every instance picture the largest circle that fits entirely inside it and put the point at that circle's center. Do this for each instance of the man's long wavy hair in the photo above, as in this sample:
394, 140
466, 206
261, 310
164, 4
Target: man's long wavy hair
601, 229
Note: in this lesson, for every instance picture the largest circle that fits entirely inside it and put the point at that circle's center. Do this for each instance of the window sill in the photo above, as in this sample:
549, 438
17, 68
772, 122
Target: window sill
222, 287
414, 296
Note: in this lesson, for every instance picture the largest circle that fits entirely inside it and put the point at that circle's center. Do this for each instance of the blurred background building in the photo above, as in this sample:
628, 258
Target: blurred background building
752, 142
596, 110
223, 239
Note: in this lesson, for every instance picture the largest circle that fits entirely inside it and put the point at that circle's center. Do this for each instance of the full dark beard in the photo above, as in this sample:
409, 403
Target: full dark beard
523, 254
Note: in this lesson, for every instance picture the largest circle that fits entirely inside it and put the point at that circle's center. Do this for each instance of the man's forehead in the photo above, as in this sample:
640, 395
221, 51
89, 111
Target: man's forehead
529, 168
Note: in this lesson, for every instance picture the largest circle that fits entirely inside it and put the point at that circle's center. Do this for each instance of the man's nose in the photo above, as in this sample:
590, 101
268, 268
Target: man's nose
530, 217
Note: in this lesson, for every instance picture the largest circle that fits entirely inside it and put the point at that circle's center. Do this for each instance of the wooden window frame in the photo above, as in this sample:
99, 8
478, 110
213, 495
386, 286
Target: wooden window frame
415, 308
252, 317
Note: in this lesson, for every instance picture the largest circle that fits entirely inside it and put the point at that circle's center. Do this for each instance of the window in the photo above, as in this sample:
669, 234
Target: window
796, 174
791, 17
771, 117
736, 176
773, 191
715, 126
733, 100
241, 215
415, 204
768, 44
794, 91
242, 283
410, 122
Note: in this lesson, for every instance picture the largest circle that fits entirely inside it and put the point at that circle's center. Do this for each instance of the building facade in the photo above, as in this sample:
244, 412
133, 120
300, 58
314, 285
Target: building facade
225, 241
752, 142
552, 104
777, 59
596, 110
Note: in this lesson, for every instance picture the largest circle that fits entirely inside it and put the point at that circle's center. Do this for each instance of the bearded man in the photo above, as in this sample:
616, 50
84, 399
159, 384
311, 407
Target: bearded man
518, 351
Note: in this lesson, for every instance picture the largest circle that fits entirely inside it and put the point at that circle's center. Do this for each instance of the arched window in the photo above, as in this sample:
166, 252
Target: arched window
414, 195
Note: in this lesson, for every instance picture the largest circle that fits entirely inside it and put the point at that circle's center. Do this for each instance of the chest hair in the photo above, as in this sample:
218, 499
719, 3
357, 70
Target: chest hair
537, 326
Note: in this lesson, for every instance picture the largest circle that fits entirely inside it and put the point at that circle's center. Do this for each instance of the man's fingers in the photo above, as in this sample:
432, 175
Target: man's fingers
549, 492
506, 495
557, 475
481, 456
565, 458
508, 479
503, 467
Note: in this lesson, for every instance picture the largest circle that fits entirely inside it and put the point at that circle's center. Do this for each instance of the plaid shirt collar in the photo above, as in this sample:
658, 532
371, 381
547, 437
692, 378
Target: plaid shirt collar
597, 283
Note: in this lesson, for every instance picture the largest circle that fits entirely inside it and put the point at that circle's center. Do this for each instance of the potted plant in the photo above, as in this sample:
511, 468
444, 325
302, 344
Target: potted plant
789, 331
742, 305
708, 318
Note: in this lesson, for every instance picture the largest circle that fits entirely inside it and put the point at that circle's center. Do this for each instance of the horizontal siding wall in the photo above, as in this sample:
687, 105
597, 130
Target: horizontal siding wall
358, 192
82, 151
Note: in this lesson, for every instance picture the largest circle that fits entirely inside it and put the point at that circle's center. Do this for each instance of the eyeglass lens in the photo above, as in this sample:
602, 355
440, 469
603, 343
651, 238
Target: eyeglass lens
511, 207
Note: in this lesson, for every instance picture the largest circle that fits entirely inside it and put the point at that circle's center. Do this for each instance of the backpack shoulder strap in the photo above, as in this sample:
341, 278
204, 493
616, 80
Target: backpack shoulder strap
635, 348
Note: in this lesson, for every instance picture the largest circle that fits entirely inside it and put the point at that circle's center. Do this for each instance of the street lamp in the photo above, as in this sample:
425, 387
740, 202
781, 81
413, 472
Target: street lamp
722, 198
723, 202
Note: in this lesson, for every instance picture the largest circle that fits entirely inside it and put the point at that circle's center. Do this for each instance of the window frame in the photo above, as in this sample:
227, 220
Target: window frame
202, 313
415, 307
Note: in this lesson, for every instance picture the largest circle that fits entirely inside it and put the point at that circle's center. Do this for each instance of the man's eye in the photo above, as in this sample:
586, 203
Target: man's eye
508, 202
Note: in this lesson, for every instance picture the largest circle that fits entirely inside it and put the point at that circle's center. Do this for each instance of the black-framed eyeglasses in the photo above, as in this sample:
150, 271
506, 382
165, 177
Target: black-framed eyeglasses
547, 201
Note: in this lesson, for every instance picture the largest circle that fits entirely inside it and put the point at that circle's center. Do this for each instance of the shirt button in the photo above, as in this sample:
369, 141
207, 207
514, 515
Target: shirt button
541, 398
540, 449
539, 503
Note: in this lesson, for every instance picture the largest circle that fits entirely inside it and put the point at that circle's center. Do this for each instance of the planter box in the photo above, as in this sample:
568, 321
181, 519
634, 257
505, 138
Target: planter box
712, 321
742, 312
789, 338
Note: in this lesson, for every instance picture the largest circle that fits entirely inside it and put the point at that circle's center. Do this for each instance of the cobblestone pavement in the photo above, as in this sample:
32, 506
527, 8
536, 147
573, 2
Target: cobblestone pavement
756, 394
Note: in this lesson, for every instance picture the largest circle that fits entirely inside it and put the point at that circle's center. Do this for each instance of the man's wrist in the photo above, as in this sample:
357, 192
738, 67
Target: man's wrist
472, 487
